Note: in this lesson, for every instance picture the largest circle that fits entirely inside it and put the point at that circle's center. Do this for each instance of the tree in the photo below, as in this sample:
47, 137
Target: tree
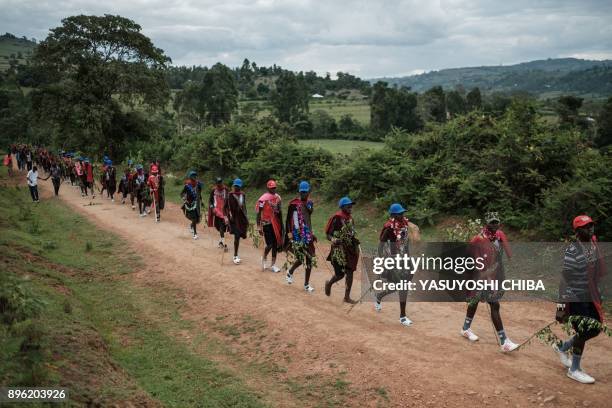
434, 104
567, 108
219, 94
474, 99
455, 103
604, 125
290, 98
96, 67
393, 107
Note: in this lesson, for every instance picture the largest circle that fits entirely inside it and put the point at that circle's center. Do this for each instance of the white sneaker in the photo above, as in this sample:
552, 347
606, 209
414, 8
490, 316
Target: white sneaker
275, 269
563, 356
289, 278
143, 214
377, 305
133, 207
148, 211
237, 260
113, 200
308, 288
263, 264
405, 321
508, 346
580, 376
195, 236
469, 334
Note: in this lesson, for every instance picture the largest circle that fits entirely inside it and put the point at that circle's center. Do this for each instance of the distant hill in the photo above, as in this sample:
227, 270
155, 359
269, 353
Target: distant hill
546, 78
15, 50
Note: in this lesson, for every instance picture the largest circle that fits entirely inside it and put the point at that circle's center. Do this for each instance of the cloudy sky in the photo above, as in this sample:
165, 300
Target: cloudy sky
367, 38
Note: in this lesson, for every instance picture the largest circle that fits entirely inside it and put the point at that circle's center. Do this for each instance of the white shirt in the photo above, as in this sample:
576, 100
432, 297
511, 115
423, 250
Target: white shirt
32, 178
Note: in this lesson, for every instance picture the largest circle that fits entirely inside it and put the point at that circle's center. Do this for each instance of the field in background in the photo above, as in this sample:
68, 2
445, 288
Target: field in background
336, 108
342, 146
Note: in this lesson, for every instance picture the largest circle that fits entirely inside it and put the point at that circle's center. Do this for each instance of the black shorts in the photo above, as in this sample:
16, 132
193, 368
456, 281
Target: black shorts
269, 235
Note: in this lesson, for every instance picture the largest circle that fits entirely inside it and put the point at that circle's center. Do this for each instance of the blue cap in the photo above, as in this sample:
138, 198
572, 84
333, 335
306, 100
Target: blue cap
130, 161
304, 187
192, 174
237, 183
139, 167
109, 162
396, 208
345, 201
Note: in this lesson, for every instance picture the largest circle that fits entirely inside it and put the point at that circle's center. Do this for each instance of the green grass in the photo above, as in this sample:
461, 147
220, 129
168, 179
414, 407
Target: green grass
342, 146
360, 110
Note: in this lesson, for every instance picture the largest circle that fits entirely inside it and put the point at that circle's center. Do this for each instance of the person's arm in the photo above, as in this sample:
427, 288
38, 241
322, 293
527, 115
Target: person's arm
258, 219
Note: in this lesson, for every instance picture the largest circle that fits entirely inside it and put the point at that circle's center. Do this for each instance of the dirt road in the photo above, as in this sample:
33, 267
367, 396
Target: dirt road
426, 364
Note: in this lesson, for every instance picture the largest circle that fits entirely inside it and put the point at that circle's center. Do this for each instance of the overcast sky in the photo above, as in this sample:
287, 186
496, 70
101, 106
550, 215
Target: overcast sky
366, 38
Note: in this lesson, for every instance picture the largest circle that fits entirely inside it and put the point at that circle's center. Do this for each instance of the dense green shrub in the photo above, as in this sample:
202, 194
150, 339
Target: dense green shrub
289, 163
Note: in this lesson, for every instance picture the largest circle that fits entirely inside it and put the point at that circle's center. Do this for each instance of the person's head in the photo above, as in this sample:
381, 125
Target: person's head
304, 190
271, 186
34, 168
192, 175
396, 210
237, 184
584, 227
492, 221
219, 182
154, 170
346, 205
139, 169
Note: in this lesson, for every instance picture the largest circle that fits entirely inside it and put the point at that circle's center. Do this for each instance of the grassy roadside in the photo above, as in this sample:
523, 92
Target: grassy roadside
107, 340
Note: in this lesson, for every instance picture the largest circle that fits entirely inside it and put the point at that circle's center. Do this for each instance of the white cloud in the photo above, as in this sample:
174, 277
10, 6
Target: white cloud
367, 38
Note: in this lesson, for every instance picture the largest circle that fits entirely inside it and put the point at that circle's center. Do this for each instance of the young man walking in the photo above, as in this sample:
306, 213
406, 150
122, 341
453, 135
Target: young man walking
300, 238
579, 297
217, 210
192, 201
237, 215
33, 178
270, 225
490, 244
344, 253
394, 239
154, 182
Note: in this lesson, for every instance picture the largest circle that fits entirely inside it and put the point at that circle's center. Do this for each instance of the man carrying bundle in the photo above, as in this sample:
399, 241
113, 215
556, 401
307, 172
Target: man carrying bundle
344, 253
192, 201
300, 238
217, 210
237, 215
395, 238
269, 224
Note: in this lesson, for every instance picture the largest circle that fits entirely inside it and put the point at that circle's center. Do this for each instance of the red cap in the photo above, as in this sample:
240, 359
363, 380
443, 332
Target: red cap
154, 169
271, 184
581, 221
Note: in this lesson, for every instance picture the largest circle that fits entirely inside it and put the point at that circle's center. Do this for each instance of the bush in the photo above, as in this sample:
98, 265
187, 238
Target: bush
288, 163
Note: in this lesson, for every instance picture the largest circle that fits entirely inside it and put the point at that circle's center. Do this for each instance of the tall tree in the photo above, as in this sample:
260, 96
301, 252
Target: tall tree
474, 99
434, 104
604, 125
455, 103
290, 98
567, 108
393, 107
96, 67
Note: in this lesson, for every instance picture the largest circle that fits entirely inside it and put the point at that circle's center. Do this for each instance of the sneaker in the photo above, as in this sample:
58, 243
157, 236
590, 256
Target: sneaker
350, 301
157, 220
377, 305
143, 214
122, 202
113, 200
263, 264
580, 376
195, 236
405, 321
469, 334
563, 356
289, 278
275, 269
308, 288
133, 207
508, 346
148, 211
236, 260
